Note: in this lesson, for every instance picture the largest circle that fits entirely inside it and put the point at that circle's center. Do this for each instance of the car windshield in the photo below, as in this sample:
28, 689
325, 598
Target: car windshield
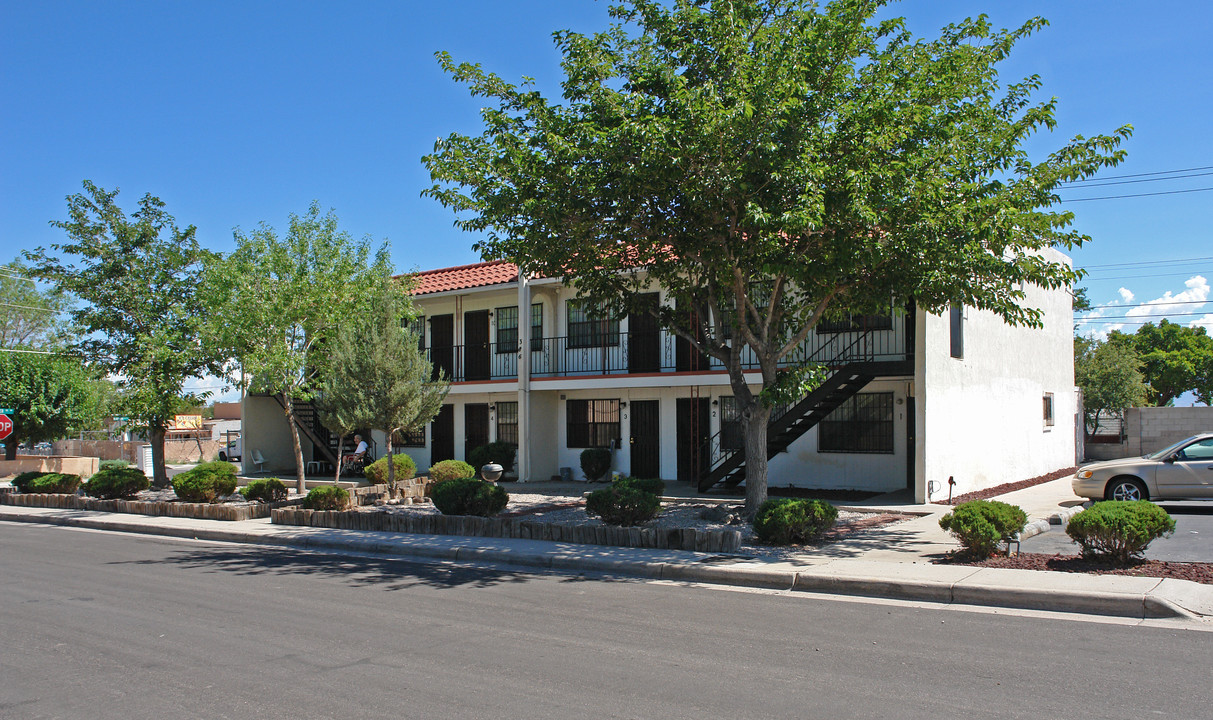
1169, 449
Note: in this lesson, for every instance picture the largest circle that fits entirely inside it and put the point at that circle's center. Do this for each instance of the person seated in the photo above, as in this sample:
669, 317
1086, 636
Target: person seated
354, 459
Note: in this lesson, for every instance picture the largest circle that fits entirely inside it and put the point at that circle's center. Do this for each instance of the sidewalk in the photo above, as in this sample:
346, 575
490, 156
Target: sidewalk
893, 562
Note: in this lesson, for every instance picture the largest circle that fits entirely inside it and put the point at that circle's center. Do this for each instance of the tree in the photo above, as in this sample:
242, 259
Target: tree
378, 376
49, 395
770, 163
1110, 377
30, 318
1176, 360
141, 322
277, 302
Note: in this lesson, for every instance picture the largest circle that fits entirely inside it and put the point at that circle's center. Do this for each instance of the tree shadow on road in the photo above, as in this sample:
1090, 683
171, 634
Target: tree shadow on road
387, 573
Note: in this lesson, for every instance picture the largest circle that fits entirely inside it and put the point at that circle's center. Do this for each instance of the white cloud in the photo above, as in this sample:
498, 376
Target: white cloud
1125, 294
1197, 292
1206, 322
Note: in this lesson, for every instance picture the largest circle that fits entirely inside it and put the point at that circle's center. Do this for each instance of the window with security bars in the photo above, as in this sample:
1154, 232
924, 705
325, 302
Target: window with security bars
507, 329
417, 327
593, 423
732, 430
855, 323
537, 326
862, 424
591, 328
507, 422
413, 439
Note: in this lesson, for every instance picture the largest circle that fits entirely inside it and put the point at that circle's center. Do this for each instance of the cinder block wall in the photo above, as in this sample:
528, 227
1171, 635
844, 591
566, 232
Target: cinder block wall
1151, 429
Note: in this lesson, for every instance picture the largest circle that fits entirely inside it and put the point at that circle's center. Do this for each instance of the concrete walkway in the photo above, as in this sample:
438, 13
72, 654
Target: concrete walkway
892, 562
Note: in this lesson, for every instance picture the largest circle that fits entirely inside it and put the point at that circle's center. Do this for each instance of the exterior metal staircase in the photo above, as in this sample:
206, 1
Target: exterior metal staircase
308, 422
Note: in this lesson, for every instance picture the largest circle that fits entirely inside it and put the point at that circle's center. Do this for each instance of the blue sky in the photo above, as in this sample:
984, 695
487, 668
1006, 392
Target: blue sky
240, 112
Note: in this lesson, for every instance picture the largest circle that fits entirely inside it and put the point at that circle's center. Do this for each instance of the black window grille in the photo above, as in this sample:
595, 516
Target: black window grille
507, 329
855, 323
862, 424
507, 422
413, 438
591, 328
593, 423
732, 430
537, 326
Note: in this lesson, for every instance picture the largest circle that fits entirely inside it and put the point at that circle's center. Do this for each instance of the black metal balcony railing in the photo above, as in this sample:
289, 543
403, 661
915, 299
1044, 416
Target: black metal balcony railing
622, 353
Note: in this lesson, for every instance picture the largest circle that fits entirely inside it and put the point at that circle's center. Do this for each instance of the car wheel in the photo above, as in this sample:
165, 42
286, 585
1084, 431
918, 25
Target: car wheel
1126, 488
222, 456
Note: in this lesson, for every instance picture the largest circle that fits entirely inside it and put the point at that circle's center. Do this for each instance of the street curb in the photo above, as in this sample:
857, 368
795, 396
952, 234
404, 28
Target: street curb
1130, 605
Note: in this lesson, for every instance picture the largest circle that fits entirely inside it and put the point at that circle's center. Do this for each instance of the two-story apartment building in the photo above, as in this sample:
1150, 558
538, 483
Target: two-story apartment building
916, 398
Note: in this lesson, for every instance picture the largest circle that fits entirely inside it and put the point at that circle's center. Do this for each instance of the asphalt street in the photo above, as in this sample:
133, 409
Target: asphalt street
107, 625
1191, 542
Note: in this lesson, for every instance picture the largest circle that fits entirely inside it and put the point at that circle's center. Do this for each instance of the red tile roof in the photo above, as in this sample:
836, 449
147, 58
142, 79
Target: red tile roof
465, 277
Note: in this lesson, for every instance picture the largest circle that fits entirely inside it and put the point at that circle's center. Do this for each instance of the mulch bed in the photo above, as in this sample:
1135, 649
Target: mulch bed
1010, 487
1194, 571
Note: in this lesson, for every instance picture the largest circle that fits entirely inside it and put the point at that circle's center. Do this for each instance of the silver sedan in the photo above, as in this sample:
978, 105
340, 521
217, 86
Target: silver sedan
1181, 471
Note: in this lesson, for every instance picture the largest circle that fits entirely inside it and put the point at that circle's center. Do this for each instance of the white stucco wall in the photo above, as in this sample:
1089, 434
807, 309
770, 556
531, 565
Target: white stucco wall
266, 430
981, 416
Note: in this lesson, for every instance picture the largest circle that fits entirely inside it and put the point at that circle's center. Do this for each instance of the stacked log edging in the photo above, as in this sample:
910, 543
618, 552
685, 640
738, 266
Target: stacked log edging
197, 511
505, 527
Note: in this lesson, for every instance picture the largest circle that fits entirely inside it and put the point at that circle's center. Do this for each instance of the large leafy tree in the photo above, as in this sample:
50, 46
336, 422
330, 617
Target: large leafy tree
1109, 373
49, 396
378, 376
770, 163
1175, 360
30, 317
277, 301
138, 277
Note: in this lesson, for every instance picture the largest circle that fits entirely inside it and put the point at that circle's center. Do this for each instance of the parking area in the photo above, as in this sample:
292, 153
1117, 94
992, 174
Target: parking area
1192, 541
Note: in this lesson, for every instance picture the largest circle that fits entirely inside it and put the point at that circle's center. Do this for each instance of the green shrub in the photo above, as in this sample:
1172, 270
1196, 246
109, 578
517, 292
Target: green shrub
451, 470
783, 521
469, 496
327, 497
623, 504
205, 482
981, 525
112, 464
500, 452
264, 490
1119, 530
46, 482
649, 485
116, 482
595, 462
404, 468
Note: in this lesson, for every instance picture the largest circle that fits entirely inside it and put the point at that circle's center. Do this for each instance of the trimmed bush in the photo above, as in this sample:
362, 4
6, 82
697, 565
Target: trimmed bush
112, 464
327, 497
205, 482
451, 470
46, 482
649, 485
500, 452
404, 469
784, 521
1119, 530
264, 490
116, 482
595, 462
981, 525
469, 496
623, 504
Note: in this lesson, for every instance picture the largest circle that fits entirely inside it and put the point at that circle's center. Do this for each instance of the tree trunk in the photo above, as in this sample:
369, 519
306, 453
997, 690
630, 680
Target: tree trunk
340, 448
391, 468
10, 447
755, 418
159, 473
288, 407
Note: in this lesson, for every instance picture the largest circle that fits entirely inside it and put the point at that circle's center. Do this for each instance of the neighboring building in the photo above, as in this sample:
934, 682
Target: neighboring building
918, 398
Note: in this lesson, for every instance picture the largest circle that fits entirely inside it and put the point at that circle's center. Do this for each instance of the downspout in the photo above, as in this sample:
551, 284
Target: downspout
524, 378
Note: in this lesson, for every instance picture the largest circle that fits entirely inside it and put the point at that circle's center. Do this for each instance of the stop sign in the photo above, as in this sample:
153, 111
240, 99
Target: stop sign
6, 426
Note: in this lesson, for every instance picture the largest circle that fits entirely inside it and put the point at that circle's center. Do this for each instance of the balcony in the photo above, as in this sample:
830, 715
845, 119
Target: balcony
643, 353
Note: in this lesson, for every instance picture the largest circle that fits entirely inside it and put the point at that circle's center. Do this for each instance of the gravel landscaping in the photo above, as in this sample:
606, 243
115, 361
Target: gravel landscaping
683, 514
1194, 571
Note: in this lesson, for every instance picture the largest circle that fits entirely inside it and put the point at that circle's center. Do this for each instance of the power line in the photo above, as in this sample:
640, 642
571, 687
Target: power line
1142, 180
1139, 317
1147, 304
30, 352
1148, 262
1134, 175
1135, 277
28, 307
1118, 197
